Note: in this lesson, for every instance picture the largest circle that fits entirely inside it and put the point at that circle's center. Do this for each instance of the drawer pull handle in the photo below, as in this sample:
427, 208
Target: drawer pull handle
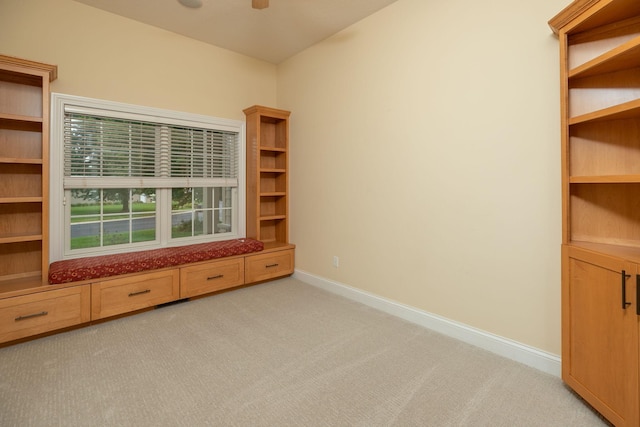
625, 276
31, 316
271, 265
133, 294
638, 294
219, 276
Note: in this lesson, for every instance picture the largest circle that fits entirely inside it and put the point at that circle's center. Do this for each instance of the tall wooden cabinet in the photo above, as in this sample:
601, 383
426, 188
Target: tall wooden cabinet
267, 174
268, 192
24, 170
600, 117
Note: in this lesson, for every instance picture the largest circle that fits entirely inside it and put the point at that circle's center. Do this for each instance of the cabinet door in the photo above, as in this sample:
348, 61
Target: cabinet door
600, 336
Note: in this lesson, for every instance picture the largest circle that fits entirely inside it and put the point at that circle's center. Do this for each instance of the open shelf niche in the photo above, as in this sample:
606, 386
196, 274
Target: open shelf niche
267, 174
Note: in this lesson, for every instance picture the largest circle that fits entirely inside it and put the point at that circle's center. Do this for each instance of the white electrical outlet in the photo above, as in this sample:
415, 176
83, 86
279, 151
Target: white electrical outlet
336, 261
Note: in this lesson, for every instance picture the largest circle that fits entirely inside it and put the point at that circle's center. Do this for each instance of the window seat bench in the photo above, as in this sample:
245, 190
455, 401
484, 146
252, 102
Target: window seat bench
80, 269
81, 291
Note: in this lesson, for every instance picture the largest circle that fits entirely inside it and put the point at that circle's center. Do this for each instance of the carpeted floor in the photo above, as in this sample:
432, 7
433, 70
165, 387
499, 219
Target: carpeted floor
277, 354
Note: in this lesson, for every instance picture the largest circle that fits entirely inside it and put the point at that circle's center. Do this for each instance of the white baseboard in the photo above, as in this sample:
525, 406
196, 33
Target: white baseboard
530, 356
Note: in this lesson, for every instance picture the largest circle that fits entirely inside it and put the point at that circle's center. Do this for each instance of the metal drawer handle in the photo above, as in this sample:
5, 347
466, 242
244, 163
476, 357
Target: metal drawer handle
625, 276
31, 316
219, 276
271, 265
638, 294
133, 294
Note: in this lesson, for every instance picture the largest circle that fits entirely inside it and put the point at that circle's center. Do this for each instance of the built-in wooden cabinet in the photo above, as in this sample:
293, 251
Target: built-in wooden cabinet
29, 306
53, 307
24, 171
267, 174
600, 330
600, 117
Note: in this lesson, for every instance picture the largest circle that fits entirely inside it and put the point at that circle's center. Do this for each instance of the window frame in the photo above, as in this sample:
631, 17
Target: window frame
59, 210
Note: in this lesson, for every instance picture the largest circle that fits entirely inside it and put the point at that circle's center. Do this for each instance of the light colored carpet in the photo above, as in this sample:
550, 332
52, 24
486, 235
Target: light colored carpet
281, 353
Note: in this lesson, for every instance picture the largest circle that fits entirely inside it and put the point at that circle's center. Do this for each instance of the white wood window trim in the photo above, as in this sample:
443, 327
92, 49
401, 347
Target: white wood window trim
61, 103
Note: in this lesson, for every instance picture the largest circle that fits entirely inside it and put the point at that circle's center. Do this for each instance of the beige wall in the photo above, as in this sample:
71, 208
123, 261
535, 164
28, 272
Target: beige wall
425, 154
102, 55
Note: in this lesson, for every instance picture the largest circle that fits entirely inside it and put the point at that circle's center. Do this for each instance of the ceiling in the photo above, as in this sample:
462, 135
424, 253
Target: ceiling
273, 34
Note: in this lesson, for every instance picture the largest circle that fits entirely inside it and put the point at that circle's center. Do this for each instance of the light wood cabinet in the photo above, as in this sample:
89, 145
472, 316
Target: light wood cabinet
600, 331
600, 122
24, 171
268, 193
267, 174
30, 306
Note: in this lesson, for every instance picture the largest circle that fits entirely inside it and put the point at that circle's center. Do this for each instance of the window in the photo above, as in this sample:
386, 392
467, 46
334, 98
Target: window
125, 177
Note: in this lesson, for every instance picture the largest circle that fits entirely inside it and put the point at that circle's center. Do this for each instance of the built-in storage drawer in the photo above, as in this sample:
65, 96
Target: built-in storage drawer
34, 314
117, 296
211, 276
268, 265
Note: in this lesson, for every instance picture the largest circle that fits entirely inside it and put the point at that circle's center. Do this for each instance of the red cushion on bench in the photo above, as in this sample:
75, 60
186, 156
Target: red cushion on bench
74, 270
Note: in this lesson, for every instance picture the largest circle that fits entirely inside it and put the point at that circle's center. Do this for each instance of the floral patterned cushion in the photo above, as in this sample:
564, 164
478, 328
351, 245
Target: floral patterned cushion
74, 270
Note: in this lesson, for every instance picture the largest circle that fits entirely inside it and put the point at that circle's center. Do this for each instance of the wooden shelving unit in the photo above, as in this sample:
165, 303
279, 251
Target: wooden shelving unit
24, 172
600, 77
267, 174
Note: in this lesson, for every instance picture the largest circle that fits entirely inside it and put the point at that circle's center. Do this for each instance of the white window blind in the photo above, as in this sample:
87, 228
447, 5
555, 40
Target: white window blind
118, 151
200, 153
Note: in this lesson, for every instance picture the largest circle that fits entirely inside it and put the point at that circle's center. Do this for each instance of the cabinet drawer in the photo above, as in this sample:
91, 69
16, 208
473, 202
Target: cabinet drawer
210, 277
118, 296
269, 265
33, 314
